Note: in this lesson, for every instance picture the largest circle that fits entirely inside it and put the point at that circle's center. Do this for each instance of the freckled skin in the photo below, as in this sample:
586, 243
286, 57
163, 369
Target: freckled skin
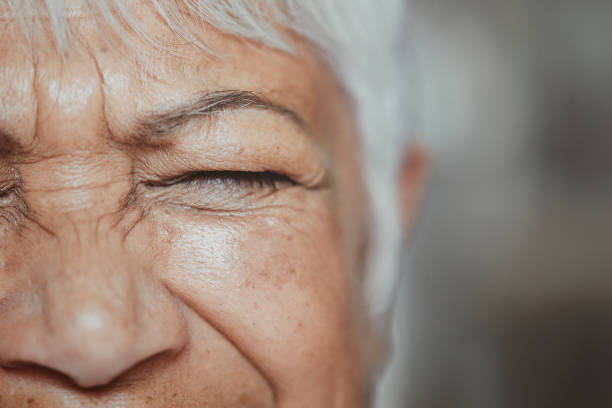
115, 291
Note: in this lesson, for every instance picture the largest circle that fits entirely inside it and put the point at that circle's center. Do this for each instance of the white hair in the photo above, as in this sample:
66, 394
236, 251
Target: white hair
362, 40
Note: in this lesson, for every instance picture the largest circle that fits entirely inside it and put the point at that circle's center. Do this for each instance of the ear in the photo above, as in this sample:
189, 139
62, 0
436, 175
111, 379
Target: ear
414, 174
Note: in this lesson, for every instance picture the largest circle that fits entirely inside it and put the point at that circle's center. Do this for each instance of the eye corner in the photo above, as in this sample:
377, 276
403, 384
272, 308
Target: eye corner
8, 187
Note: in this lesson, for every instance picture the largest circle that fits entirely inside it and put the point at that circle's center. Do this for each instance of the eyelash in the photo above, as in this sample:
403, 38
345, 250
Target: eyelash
241, 179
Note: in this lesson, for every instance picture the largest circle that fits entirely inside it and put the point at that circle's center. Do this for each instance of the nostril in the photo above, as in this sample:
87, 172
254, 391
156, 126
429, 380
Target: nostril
39, 372
102, 369
95, 347
82, 376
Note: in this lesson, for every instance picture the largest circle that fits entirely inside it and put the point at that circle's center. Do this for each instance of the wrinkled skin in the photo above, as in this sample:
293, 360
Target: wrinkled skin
124, 285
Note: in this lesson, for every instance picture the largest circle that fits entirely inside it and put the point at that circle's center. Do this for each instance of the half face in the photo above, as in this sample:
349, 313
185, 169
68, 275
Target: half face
176, 228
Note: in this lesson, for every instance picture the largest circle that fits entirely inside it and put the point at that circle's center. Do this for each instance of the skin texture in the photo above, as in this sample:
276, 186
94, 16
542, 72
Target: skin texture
122, 284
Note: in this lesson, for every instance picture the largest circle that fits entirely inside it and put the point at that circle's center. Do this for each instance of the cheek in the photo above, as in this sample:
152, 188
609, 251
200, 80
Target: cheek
274, 283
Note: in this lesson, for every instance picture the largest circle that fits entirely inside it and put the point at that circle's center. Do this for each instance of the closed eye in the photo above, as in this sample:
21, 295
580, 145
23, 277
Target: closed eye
234, 179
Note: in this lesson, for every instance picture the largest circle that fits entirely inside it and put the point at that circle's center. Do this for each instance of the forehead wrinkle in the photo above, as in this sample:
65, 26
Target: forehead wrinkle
70, 110
68, 96
18, 77
118, 123
101, 81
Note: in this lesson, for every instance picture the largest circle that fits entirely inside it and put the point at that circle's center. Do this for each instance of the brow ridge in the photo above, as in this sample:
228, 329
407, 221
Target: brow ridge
157, 127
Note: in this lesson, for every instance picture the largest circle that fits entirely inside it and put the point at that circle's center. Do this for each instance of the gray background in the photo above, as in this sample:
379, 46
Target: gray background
506, 297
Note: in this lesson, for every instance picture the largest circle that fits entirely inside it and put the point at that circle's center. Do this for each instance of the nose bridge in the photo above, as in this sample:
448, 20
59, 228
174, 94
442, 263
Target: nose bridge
89, 236
93, 275
82, 260
87, 298
90, 294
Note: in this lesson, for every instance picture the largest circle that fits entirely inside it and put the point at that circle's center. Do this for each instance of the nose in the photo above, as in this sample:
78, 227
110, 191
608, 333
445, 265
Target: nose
88, 309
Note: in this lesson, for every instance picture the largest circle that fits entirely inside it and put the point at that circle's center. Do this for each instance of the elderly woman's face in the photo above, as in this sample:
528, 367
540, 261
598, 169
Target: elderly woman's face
177, 230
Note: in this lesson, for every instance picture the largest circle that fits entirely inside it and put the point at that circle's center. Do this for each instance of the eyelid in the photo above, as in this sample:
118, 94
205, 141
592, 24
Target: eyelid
263, 178
243, 140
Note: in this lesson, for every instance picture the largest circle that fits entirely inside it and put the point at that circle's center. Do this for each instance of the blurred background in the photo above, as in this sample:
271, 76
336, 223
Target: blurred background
507, 296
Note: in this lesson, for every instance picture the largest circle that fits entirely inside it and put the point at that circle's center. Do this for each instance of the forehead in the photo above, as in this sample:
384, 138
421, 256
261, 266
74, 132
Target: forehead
139, 71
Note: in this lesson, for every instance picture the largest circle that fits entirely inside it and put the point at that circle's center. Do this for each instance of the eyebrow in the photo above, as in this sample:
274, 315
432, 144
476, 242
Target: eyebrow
152, 129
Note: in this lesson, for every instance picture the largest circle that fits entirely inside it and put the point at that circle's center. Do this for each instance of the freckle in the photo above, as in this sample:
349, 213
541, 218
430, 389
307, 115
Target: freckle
149, 398
30, 400
247, 284
255, 306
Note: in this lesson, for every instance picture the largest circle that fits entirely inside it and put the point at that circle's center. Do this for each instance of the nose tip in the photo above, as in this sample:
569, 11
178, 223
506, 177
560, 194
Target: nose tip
95, 348
98, 350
